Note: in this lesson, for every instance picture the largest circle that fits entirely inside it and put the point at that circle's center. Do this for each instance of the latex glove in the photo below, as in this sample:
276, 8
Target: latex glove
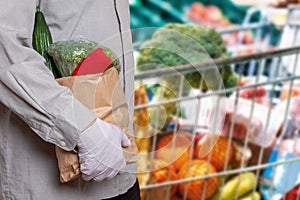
100, 151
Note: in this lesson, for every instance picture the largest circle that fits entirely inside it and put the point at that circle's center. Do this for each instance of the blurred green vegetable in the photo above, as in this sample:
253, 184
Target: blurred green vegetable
179, 44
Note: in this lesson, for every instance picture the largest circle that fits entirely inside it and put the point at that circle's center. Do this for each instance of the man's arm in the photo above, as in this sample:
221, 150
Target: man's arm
28, 88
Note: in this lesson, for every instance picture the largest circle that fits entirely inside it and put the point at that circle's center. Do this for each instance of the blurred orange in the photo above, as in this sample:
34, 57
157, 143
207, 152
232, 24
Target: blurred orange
162, 172
176, 154
217, 156
201, 188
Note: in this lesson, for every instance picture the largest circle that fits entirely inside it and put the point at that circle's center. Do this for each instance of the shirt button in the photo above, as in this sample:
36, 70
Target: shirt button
63, 143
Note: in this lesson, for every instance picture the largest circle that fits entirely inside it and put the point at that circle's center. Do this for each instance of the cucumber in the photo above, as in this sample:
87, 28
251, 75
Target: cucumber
41, 39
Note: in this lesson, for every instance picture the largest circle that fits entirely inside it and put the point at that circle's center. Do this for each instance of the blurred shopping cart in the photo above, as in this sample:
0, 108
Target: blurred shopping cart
275, 27
216, 146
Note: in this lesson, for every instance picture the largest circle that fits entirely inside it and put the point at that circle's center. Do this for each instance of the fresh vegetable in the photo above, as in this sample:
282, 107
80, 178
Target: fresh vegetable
41, 39
251, 196
68, 54
179, 44
236, 187
209, 15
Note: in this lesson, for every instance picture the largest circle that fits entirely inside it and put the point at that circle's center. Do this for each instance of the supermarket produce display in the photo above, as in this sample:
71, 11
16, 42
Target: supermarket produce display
256, 153
208, 15
175, 11
178, 157
222, 15
235, 166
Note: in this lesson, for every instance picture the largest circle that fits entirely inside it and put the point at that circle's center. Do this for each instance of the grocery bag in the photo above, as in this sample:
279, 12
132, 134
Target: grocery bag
103, 94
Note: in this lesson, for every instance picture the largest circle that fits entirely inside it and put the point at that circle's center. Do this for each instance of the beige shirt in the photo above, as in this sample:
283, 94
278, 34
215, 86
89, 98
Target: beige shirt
36, 113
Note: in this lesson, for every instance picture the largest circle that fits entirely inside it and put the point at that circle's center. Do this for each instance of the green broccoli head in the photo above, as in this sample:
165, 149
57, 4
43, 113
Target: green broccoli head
179, 44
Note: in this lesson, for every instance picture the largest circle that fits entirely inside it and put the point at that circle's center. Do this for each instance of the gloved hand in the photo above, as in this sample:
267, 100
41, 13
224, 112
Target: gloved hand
100, 151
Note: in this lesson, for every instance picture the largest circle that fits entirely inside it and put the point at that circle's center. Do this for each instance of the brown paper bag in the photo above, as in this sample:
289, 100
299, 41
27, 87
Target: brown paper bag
103, 94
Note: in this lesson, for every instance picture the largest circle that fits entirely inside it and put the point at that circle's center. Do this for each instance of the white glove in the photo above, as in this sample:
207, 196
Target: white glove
100, 151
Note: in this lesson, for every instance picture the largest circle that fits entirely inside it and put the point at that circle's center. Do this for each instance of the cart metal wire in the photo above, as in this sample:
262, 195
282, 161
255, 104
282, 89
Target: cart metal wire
276, 83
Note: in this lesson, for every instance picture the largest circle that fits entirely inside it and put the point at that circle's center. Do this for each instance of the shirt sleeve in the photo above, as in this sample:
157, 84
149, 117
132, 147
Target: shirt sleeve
29, 89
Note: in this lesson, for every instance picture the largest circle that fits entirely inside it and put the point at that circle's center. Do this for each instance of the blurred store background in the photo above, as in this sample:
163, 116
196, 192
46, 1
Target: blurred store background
221, 15
255, 45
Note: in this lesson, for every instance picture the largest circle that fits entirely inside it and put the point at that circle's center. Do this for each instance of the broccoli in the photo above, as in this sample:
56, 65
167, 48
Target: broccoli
179, 44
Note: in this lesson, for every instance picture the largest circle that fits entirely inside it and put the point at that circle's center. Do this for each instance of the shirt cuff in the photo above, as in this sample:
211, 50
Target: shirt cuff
70, 123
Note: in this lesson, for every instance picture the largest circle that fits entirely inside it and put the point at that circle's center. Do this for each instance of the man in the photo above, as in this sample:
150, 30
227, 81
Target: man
36, 113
